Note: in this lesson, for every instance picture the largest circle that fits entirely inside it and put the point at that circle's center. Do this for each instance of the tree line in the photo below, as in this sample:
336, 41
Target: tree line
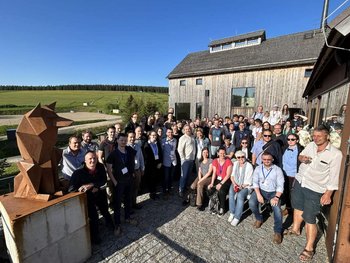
89, 87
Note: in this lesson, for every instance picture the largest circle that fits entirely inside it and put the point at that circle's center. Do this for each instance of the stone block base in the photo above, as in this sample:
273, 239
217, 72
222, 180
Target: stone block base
53, 231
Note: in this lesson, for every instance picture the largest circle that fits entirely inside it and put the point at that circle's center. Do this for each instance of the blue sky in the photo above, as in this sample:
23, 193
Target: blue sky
134, 42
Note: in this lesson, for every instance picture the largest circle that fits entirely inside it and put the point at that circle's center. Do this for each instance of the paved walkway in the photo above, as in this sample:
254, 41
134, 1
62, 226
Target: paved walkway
169, 232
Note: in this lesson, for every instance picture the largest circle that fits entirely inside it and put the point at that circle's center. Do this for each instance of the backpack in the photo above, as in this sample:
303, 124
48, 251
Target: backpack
214, 203
192, 198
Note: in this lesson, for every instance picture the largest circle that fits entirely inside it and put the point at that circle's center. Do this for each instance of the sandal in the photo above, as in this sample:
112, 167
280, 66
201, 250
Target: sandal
306, 255
290, 232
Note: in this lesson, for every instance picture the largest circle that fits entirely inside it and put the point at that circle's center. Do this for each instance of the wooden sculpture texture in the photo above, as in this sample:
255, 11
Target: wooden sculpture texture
36, 139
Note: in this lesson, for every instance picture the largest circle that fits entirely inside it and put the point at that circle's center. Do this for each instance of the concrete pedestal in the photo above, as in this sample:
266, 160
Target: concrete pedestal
53, 231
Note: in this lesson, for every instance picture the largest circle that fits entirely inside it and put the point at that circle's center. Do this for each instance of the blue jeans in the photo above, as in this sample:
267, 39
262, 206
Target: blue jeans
214, 151
168, 177
236, 206
186, 170
277, 213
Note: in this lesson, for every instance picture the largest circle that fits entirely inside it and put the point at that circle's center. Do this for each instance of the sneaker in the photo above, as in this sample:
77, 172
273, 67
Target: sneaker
230, 218
118, 231
235, 222
181, 194
221, 212
131, 221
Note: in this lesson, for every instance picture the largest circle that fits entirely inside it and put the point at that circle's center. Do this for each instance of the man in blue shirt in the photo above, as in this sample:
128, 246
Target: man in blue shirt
268, 181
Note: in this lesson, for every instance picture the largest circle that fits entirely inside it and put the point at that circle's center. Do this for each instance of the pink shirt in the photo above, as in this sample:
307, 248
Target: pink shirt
221, 171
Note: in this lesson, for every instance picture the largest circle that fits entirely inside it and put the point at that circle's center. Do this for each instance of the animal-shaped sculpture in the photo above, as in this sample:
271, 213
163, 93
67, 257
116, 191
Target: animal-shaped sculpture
36, 139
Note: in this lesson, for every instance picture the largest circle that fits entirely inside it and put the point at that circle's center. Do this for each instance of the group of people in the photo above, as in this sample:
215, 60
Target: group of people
257, 160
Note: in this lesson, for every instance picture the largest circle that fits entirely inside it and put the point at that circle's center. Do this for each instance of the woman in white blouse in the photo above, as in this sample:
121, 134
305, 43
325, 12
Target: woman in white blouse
242, 180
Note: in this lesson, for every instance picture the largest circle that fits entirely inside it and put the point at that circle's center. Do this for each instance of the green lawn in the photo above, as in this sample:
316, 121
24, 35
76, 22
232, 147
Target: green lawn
18, 102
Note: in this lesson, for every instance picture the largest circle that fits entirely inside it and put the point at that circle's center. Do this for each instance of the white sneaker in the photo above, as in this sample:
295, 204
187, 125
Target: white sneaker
235, 222
230, 218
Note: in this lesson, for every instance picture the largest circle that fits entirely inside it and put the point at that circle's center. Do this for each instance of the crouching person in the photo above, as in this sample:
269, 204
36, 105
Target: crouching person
268, 183
90, 179
242, 180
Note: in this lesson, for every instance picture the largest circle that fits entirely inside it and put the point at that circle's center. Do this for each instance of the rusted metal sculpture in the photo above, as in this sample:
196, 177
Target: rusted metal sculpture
36, 139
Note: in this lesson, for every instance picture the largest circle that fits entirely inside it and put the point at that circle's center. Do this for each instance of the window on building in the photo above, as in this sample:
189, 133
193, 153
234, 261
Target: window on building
183, 82
240, 43
199, 81
227, 46
216, 48
254, 41
308, 72
243, 97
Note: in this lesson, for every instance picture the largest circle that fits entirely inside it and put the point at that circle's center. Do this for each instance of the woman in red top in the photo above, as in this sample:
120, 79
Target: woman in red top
222, 169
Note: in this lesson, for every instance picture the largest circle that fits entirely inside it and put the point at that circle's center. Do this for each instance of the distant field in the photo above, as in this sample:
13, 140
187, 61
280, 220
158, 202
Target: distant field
18, 102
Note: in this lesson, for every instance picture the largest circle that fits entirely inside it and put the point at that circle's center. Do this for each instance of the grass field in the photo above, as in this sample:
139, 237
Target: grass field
18, 102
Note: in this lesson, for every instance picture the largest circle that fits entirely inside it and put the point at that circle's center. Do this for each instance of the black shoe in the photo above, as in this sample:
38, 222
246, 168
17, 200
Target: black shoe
137, 206
153, 196
185, 202
200, 208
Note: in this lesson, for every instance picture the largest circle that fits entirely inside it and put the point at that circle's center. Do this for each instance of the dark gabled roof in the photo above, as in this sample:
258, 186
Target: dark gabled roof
294, 49
251, 35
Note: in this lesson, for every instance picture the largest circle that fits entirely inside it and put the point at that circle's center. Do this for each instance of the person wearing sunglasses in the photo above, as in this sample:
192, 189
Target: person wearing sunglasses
245, 147
290, 167
268, 181
242, 180
267, 144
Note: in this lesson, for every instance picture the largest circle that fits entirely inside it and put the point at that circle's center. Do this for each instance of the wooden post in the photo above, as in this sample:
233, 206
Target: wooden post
317, 113
342, 241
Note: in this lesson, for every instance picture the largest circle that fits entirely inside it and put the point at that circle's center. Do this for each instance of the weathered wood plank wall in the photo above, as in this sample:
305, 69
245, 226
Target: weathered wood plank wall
272, 86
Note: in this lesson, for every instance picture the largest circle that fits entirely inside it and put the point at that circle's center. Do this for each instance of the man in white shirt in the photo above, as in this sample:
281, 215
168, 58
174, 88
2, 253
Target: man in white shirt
315, 183
187, 151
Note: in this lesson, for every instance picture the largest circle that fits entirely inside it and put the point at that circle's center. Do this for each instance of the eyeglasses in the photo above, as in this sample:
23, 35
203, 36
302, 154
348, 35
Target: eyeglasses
267, 135
267, 159
240, 157
291, 139
244, 142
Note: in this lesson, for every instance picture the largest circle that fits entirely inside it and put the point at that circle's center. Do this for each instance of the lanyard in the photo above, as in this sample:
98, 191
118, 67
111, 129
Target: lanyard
123, 157
262, 169
154, 148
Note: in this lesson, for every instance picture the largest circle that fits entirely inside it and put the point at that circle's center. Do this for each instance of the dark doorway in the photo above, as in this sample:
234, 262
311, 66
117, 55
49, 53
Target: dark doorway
182, 111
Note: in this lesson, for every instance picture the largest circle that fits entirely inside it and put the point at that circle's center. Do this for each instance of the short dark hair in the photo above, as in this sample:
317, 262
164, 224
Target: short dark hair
323, 128
122, 134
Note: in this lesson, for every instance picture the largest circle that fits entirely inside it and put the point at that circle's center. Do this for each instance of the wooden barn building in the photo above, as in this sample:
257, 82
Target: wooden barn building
237, 74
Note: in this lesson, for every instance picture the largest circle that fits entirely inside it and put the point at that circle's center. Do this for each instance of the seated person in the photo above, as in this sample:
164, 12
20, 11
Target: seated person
89, 179
220, 181
204, 177
268, 181
242, 180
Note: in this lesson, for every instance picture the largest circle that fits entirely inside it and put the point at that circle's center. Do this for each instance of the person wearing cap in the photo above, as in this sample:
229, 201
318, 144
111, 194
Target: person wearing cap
275, 115
242, 180
268, 181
